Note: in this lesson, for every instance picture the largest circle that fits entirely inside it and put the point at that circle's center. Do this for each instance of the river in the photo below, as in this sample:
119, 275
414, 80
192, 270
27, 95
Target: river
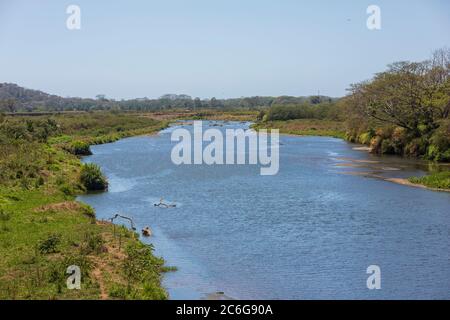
309, 232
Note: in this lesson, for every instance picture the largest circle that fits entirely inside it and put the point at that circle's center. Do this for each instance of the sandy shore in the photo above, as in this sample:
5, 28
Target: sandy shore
402, 181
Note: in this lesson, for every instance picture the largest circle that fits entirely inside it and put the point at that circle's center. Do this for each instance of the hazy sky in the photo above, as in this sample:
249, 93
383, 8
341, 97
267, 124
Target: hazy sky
206, 48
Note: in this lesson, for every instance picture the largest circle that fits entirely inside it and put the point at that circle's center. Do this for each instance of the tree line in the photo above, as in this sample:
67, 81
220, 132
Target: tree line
14, 98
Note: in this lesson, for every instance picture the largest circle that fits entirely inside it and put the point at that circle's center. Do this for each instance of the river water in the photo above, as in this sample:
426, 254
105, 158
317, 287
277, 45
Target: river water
309, 232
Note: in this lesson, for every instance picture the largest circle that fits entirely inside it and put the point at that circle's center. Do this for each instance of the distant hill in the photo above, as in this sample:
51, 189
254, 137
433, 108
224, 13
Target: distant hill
21, 94
27, 99
16, 98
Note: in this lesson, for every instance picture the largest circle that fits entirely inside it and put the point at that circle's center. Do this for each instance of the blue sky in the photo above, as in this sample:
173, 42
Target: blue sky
208, 48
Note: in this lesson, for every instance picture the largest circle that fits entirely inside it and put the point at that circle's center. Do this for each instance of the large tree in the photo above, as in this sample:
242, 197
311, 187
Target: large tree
409, 94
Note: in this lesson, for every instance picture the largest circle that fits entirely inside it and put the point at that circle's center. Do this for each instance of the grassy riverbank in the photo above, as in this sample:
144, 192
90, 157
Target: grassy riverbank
440, 180
43, 230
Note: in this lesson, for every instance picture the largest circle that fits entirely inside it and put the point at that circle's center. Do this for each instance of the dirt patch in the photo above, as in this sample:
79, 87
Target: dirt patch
106, 267
97, 275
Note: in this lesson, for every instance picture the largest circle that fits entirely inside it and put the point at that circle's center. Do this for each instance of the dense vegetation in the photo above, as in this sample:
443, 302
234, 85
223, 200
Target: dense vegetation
43, 230
405, 109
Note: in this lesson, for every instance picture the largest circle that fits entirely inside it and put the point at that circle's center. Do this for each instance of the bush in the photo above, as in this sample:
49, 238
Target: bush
366, 137
4, 216
50, 244
375, 144
439, 149
118, 291
153, 291
93, 243
142, 267
387, 147
79, 148
416, 147
399, 140
92, 177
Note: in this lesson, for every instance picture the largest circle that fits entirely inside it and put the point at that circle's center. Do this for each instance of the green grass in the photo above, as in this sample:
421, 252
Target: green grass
27, 272
43, 230
440, 180
29, 220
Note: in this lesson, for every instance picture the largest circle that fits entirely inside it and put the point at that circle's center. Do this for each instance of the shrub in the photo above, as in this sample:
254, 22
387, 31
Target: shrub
40, 181
79, 148
439, 149
50, 244
153, 291
399, 140
118, 291
92, 177
375, 144
92, 243
384, 133
4, 216
366, 137
140, 266
387, 147
416, 147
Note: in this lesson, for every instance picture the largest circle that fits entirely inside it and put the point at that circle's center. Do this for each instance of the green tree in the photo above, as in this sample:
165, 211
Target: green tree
411, 95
